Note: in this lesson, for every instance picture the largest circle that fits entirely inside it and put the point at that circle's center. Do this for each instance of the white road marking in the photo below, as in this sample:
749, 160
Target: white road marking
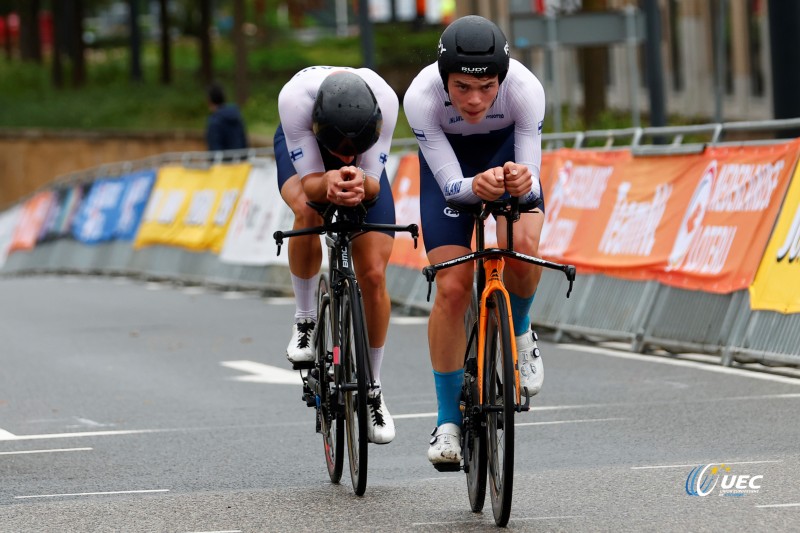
280, 300
416, 415
740, 372
9, 436
695, 464
513, 519
91, 493
22, 452
774, 505
567, 421
408, 320
225, 531
5, 435
91, 423
261, 373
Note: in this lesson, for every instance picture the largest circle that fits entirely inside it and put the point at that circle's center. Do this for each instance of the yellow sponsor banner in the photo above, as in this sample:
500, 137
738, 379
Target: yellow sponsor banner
192, 208
777, 283
167, 205
229, 181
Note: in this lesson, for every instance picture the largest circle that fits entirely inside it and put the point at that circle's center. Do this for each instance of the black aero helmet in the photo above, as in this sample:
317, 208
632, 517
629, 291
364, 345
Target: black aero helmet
347, 118
473, 45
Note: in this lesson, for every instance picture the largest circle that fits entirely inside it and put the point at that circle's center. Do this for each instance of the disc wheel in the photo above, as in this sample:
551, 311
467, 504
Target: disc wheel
354, 354
499, 398
331, 422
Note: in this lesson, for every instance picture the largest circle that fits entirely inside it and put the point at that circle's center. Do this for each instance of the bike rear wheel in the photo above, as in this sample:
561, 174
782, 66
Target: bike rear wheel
355, 350
474, 434
499, 389
330, 419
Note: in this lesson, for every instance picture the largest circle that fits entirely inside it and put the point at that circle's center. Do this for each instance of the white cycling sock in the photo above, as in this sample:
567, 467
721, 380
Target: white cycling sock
305, 291
376, 358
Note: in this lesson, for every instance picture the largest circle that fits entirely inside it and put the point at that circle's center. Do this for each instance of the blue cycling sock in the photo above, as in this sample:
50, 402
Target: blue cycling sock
520, 312
448, 396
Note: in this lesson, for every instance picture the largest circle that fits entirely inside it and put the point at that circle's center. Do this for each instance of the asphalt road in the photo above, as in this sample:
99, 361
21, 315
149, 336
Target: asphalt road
127, 406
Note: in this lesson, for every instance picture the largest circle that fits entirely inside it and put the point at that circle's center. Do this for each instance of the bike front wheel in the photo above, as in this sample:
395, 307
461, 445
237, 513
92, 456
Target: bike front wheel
331, 424
355, 350
499, 390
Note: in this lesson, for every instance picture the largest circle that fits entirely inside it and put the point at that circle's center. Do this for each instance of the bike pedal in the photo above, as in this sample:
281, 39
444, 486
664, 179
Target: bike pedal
447, 467
303, 365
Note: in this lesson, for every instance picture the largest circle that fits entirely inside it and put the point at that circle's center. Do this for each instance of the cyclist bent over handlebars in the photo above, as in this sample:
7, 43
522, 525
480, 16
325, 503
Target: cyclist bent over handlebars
331, 146
477, 116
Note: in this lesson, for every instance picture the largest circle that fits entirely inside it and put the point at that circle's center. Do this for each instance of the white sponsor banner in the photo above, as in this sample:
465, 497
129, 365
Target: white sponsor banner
8, 223
249, 239
260, 212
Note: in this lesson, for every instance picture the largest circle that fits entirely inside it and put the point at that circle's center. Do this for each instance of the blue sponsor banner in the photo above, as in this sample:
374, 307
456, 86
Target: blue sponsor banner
113, 208
97, 217
137, 192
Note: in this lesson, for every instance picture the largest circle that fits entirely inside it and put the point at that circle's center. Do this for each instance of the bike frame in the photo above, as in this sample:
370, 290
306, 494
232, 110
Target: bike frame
339, 236
493, 263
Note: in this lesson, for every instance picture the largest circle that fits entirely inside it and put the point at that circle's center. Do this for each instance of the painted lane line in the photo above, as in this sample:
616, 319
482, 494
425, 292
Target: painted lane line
6, 435
515, 519
408, 320
694, 401
679, 362
775, 505
416, 415
279, 300
695, 464
261, 373
48, 451
224, 531
78, 434
567, 421
91, 493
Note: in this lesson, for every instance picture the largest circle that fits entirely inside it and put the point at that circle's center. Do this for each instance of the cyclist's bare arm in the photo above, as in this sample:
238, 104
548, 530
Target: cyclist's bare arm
489, 184
518, 179
345, 186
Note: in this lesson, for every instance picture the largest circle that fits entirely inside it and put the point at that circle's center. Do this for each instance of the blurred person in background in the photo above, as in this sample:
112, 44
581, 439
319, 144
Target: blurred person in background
225, 129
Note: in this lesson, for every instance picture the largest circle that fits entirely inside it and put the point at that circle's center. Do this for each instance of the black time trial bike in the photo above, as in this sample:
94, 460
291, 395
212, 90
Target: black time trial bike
338, 381
491, 392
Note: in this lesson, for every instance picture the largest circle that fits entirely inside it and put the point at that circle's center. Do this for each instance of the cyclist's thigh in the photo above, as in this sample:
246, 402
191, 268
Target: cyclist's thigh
527, 231
441, 225
373, 248
282, 159
383, 210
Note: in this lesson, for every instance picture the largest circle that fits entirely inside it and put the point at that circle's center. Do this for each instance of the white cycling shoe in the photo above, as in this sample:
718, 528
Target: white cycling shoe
380, 426
445, 445
301, 346
529, 359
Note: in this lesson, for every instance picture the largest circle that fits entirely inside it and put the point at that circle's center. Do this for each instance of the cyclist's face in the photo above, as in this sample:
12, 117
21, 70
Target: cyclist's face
472, 97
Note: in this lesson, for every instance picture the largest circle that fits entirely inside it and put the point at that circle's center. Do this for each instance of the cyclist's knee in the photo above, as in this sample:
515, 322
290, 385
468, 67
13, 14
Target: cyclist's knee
453, 292
372, 278
304, 215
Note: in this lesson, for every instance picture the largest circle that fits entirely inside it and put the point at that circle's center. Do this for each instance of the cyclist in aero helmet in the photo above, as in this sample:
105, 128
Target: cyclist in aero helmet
336, 126
347, 117
477, 116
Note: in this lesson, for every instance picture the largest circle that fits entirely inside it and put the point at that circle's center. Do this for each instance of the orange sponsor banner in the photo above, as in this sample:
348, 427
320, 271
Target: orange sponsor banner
405, 189
698, 221
31, 221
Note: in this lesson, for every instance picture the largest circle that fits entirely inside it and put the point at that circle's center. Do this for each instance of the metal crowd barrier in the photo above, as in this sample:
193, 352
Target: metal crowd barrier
645, 314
